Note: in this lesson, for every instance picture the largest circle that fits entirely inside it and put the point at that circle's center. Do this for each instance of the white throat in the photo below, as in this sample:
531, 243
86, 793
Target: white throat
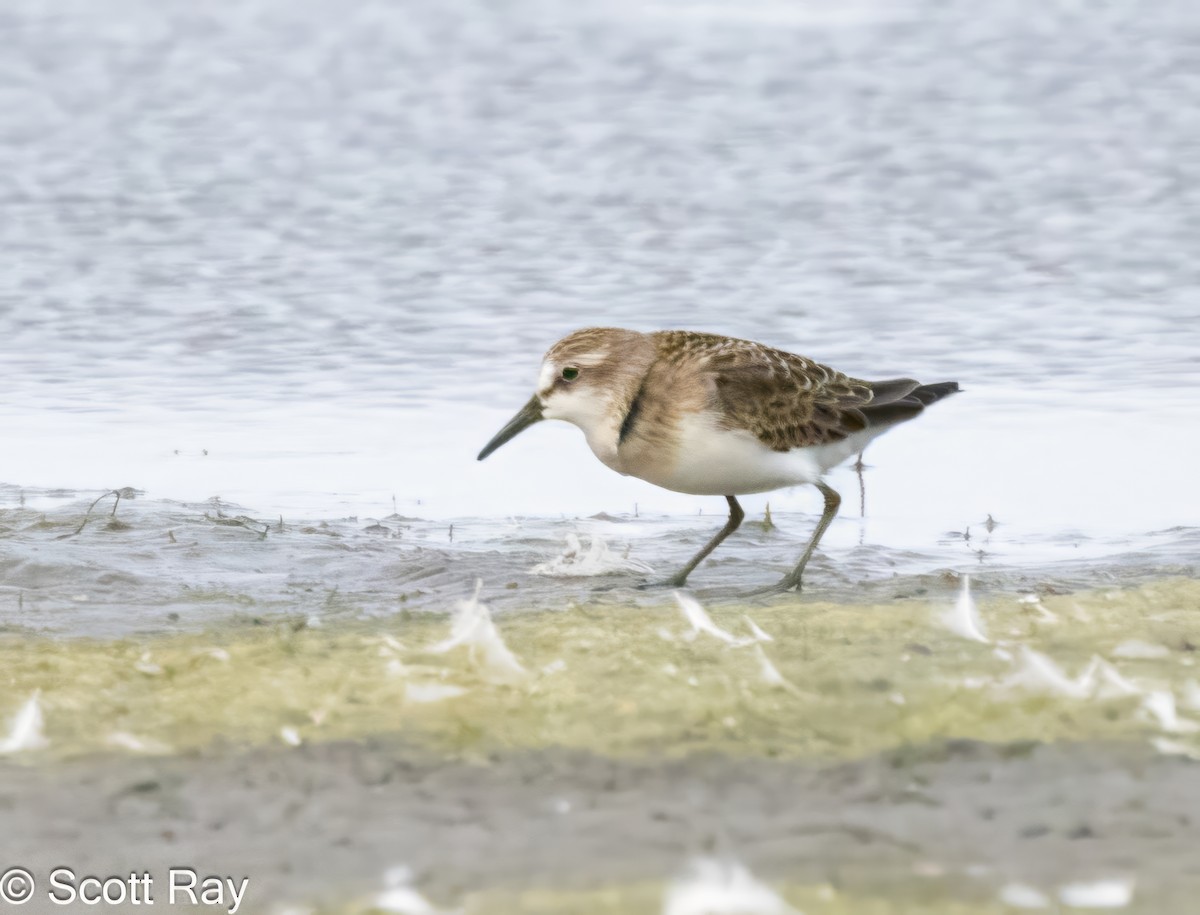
600, 419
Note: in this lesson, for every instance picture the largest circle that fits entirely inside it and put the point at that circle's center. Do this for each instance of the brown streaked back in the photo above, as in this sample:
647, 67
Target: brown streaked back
788, 401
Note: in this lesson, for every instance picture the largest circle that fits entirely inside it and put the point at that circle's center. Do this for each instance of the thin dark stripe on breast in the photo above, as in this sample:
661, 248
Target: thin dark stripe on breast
631, 415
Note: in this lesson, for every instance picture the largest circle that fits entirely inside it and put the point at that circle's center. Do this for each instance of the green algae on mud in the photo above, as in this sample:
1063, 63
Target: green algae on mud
860, 678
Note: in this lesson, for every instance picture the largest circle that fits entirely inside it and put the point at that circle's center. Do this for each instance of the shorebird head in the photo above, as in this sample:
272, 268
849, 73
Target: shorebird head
584, 379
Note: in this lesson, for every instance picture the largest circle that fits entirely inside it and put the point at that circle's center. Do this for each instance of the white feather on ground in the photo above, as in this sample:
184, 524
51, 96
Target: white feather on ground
1111, 683
700, 621
1168, 747
758, 634
472, 627
1112, 893
1037, 673
27, 728
402, 898
771, 674
574, 562
1035, 603
126, 741
715, 887
1023, 896
963, 618
1159, 706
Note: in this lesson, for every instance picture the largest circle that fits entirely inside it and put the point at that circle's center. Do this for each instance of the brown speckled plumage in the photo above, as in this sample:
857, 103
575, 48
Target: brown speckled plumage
785, 400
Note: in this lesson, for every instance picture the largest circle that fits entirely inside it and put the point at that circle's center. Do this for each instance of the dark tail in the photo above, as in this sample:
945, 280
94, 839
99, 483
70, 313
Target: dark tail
902, 399
932, 393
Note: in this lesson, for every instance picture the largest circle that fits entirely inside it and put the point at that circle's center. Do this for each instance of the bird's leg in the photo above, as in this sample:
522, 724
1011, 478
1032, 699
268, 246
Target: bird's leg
792, 579
858, 467
735, 518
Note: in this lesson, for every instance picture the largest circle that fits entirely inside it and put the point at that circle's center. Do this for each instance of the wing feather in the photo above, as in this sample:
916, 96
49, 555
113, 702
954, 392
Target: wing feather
788, 401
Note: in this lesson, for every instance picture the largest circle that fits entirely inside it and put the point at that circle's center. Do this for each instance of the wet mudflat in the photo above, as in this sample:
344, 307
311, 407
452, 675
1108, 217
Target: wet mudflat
812, 679
82, 564
931, 751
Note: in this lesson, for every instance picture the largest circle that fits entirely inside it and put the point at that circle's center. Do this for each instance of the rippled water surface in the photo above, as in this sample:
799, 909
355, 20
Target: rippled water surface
305, 256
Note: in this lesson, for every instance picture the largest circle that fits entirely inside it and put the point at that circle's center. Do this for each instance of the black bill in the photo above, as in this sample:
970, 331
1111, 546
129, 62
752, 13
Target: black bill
530, 414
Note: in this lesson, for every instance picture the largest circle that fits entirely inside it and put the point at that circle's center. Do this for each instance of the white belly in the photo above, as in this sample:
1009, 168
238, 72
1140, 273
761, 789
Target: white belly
711, 461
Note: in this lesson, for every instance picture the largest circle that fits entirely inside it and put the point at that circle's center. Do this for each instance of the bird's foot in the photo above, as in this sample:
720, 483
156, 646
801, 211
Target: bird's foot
785, 584
673, 582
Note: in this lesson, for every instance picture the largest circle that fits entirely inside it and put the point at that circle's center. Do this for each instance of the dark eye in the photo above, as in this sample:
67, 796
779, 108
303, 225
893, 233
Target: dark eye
570, 373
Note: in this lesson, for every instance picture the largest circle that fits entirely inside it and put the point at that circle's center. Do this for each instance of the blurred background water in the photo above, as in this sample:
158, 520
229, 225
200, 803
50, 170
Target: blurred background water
305, 256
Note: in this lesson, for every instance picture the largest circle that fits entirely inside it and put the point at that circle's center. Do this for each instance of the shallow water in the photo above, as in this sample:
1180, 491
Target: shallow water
151, 566
304, 257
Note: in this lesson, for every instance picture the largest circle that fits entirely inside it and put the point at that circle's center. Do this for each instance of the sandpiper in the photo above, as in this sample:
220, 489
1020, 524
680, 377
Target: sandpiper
712, 415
